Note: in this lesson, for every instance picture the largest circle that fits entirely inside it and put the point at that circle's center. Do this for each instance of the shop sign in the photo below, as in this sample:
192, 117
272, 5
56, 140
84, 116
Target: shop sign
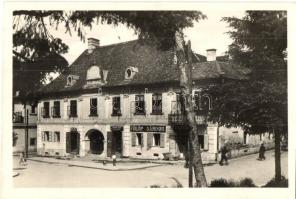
147, 128
116, 128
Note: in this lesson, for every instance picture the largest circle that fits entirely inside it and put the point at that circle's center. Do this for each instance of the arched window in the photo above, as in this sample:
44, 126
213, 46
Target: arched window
93, 73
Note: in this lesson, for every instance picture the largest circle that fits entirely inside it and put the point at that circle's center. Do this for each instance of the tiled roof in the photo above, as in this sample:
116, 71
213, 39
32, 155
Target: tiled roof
154, 66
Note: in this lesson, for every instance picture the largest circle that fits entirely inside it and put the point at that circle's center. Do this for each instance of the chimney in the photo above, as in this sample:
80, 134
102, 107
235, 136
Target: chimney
211, 54
92, 44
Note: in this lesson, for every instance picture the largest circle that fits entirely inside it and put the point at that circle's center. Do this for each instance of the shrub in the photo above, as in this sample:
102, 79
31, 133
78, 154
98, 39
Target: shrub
246, 182
274, 183
221, 182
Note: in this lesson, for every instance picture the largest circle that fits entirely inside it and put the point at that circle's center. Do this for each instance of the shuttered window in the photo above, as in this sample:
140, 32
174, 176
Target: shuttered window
140, 105
203, 141
57, 136
73, 108
46, 135
156, 103
56, 109
45, 110
162, 140
93, 104
116, 109
156, 139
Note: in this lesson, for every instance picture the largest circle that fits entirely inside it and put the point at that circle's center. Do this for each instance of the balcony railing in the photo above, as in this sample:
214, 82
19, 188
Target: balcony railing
18, 118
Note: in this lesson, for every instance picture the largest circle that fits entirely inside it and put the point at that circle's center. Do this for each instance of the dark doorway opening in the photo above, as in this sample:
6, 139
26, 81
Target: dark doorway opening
72, 142
96, 140
114, 143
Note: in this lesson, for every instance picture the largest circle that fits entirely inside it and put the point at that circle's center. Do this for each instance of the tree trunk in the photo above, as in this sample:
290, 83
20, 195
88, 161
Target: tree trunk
277, 155
187, 103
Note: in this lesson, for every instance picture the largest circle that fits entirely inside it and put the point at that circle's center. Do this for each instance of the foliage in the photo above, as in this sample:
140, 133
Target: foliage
273, 183
221, 182
258, 104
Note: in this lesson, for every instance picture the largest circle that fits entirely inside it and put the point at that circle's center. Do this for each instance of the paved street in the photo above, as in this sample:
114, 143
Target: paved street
39, 174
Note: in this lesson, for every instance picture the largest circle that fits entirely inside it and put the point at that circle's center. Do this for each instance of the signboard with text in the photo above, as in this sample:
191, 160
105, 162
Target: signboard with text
147, 128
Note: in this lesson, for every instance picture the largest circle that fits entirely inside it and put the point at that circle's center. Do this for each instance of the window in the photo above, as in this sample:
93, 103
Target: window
156, 139
156, 104
93, 111
73, 108
139, 105
139, 139
57, 136
116, 106
56, 109
32, 141
46, 136
33, 109
196, 100
201, 141
45, 110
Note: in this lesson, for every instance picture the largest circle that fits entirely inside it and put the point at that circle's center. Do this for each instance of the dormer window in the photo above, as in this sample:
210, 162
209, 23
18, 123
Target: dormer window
130, 72
93, 73
71, 80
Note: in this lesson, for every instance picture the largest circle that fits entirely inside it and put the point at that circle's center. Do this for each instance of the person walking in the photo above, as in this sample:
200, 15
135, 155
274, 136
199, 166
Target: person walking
22, 158
224, 151
262, 152
114, 159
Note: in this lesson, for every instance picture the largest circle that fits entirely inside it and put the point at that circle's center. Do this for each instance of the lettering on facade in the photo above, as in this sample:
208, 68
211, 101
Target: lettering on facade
116, 128
147, 128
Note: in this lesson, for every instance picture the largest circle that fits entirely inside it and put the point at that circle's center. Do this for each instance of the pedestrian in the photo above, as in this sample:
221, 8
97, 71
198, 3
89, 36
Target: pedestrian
22, 158
224, 151
114, 159
261, 152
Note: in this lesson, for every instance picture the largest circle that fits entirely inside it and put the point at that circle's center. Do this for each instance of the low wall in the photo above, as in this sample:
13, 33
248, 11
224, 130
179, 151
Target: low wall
234, 153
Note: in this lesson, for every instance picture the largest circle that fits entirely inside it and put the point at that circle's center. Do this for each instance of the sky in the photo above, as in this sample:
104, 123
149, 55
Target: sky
205, 34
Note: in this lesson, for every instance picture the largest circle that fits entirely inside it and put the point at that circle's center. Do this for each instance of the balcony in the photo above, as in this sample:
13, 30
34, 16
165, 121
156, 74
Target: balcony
17, 118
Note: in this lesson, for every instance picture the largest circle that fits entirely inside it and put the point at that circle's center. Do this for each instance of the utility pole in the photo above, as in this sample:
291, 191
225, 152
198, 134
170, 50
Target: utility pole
26, 131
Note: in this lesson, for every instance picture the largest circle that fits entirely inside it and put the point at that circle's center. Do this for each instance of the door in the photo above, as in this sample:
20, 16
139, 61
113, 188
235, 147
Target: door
72, 142
109, 143
117, 142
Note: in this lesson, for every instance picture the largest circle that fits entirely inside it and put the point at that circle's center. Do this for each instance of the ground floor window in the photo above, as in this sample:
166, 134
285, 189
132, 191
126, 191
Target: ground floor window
137, 139
32, 141
203, 141
57, 136
156, 140
46, 136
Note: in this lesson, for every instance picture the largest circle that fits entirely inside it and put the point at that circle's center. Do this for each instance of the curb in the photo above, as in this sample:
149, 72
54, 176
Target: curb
93, 167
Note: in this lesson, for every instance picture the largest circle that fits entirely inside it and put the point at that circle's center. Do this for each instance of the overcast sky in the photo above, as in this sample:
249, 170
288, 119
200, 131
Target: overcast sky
208, 33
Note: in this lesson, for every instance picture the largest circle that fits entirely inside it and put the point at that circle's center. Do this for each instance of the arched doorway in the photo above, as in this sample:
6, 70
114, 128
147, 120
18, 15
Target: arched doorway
96, 141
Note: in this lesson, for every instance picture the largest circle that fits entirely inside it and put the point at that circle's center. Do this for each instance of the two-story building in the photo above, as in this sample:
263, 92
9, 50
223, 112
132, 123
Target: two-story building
24, 120
123, 99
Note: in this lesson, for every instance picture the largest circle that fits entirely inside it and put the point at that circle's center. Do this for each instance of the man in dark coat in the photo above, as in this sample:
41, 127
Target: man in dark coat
224, 151
262, 152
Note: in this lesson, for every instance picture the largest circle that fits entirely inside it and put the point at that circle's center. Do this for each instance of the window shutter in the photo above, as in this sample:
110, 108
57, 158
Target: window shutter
50, 136
142, 138
149, 140
134, 139
206, 142
68, 144
42, 135
162, 140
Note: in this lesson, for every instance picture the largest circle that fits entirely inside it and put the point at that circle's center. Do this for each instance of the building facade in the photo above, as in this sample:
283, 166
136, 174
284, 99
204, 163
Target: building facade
24, 119
123, 99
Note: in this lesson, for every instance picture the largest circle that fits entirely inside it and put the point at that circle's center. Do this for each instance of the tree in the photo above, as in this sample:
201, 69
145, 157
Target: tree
165, 27
258, 104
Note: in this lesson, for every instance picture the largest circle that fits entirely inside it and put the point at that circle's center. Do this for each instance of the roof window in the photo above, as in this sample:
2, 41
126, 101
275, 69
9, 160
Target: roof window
130, 72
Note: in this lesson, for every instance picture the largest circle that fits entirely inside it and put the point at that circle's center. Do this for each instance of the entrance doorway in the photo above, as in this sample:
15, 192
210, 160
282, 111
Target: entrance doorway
96, 141
72, 142
114, 143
